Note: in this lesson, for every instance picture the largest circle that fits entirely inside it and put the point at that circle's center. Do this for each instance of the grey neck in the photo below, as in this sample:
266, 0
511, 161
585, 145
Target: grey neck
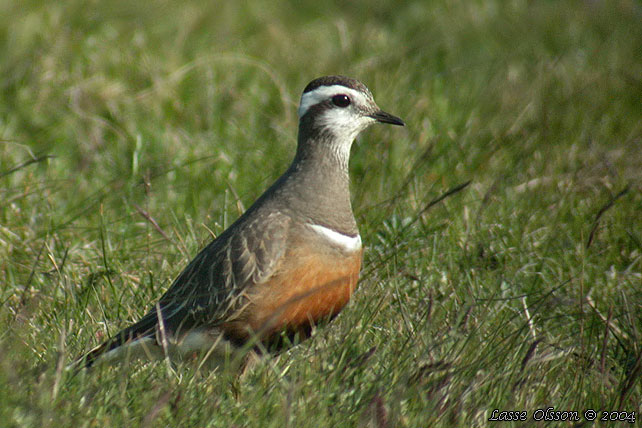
317, 184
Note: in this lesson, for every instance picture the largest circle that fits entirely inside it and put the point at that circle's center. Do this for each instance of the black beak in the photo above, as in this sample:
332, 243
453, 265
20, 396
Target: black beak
383, 117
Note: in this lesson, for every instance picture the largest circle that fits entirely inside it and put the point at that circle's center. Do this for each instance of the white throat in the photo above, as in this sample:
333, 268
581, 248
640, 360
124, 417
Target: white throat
343, 124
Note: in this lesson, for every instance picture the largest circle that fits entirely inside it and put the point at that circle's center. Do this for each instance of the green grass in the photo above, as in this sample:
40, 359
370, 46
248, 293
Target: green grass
521, 291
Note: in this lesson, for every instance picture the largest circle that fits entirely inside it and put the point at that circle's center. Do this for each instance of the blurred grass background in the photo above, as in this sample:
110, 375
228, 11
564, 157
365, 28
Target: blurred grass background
131, 132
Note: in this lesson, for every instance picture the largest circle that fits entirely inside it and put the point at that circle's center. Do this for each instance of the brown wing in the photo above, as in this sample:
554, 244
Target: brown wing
212, 286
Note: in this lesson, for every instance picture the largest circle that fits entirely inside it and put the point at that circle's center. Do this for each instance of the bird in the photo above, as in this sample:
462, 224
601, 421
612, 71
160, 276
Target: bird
289, 262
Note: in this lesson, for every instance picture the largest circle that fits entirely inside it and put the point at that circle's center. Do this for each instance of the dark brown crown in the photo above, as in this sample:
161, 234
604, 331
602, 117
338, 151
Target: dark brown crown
336, 80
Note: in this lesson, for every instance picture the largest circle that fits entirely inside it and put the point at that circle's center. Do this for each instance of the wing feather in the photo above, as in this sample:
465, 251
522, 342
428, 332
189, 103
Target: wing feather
212, 286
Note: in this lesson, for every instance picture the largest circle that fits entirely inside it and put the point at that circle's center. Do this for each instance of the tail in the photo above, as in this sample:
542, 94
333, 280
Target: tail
133, 342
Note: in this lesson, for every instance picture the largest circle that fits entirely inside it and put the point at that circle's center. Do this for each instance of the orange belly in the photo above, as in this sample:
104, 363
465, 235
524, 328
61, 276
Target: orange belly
301, 294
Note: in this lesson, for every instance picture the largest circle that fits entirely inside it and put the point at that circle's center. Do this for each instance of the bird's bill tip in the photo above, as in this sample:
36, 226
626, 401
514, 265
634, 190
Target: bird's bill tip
383, 117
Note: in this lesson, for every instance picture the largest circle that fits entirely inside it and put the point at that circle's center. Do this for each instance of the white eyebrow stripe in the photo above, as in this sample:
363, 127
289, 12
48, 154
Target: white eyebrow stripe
322, 93
346, 242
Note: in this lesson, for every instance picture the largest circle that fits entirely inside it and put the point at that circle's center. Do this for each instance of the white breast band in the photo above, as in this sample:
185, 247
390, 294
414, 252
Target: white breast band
347, 243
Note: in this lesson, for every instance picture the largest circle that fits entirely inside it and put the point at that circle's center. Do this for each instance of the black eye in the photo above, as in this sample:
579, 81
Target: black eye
341, 100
